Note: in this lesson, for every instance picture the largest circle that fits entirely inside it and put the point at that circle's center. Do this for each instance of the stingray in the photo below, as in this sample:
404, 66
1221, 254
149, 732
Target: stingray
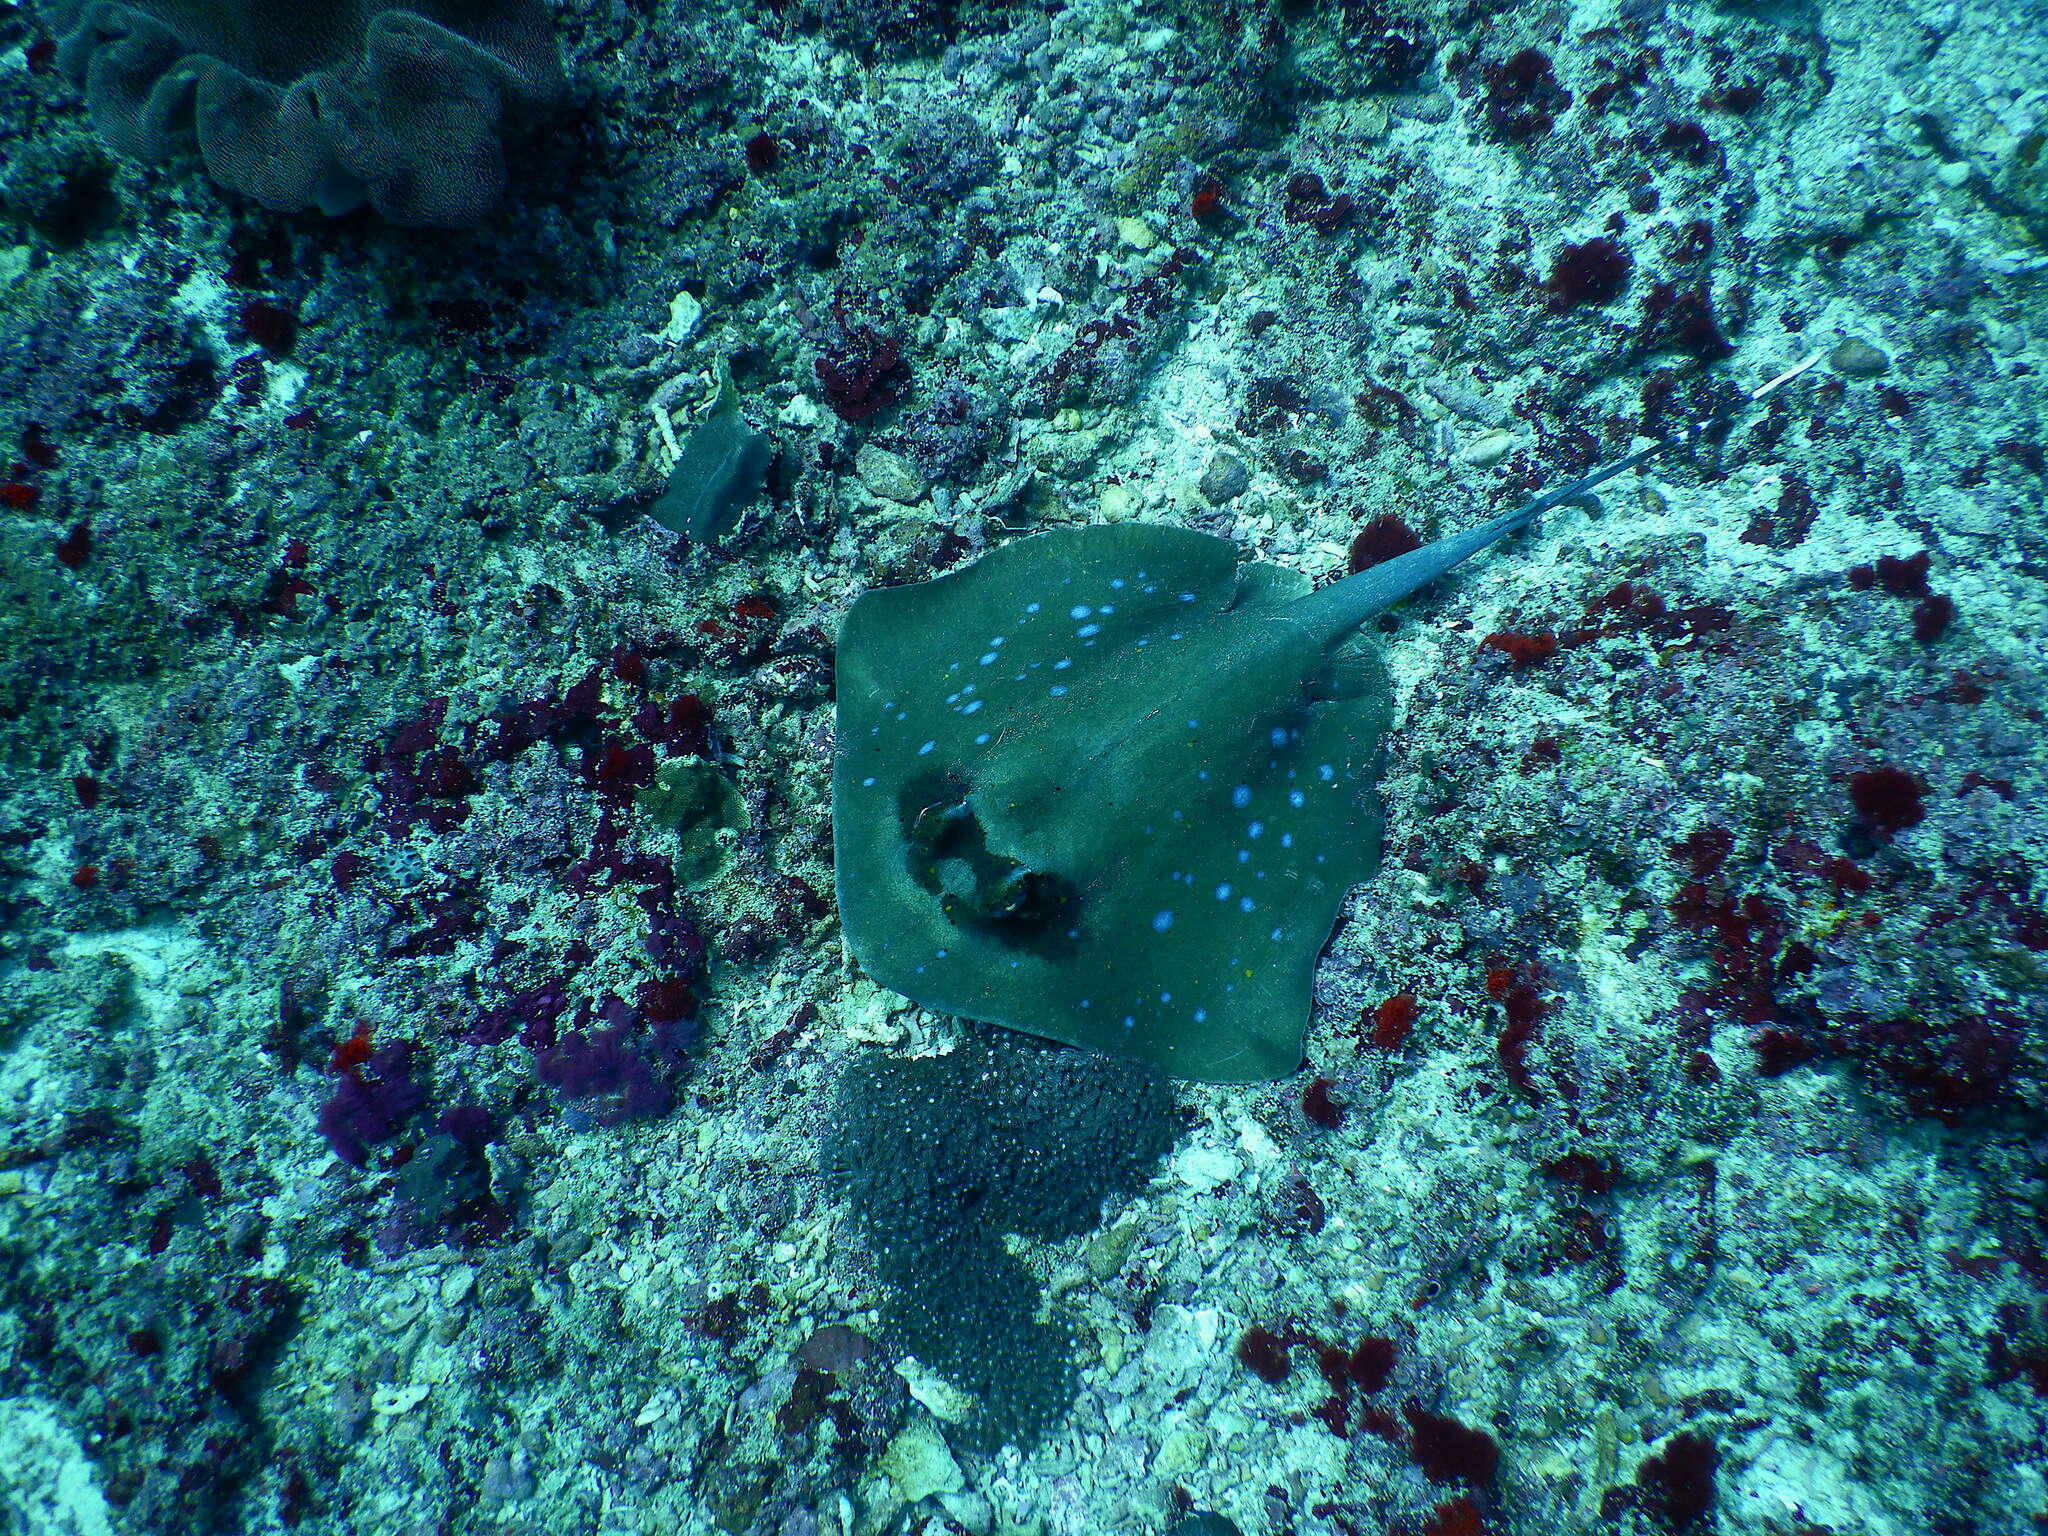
1109, 786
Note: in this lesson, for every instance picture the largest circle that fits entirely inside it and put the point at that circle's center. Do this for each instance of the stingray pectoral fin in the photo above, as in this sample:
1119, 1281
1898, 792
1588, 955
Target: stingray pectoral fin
1352, 671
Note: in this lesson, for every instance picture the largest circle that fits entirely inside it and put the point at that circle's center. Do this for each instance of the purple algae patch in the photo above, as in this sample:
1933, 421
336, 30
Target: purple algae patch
372, 1102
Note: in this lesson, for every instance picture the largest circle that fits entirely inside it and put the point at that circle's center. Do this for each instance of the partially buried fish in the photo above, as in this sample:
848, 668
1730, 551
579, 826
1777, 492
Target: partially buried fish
1109, 786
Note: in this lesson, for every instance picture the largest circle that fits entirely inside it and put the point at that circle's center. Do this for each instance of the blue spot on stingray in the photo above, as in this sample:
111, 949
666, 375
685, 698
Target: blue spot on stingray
973, 706
988, 659
1162, 921
1079, 611
868, 783
1255, 829
1057, 691
1086, 630
1241, 796
1244, 903
1223, 893
1295, 798
1063, 663
926, 748
979, 741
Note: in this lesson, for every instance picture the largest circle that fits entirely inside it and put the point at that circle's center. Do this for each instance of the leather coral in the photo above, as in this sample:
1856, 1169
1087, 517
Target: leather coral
320, 104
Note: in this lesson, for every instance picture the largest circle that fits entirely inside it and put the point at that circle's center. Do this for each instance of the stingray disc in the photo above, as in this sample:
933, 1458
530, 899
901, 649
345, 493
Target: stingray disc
1100, 787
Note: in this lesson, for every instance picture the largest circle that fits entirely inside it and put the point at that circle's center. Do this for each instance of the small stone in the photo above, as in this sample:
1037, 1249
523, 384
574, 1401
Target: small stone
1118, 502
1424, 109
1224, 480
835, 1348
398, 1307
389, 1402
685, 310
1473, 407
919, 1463
1136, 233
1952, 173
946, 1402
1107, 1251
970, 1510
506, 1480
1858, 359
1487, 449
1206, 1168
1180, 1452
889, 475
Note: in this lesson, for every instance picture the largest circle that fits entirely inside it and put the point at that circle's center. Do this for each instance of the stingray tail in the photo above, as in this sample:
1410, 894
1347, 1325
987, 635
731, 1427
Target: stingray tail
1342, 606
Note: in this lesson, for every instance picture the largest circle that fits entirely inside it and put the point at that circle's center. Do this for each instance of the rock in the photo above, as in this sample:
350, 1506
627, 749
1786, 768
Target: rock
889, 475
1136, 233
1487, 449
1473, 407
1224, 480
919, 1463
1206, 1168
1184, 1449
1858, 359
970, 1510
1435, 108
946, 1402
720, 470
685, 311
1108, 1249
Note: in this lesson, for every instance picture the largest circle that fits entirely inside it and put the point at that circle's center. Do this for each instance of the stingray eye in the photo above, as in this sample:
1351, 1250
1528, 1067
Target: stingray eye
1025, 901
1012, 895
936, 825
